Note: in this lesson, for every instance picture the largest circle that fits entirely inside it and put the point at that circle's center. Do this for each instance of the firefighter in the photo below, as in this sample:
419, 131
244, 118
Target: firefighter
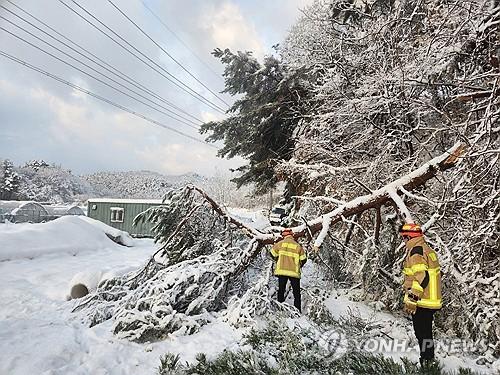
422, 288
290, 257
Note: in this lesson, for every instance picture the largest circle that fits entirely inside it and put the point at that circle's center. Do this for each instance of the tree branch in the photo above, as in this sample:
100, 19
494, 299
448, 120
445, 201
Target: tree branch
376, 199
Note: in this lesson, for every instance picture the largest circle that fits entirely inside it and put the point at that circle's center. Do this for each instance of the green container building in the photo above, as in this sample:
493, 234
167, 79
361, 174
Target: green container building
120, 214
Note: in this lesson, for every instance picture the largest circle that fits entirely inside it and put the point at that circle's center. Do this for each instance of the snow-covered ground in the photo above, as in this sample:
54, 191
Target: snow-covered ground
393, 335
40, 335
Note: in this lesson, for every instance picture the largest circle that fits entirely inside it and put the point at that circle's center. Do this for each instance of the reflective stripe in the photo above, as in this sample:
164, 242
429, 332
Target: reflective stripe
295, 256
433, 279
433, 256
415, 285
287, 273
430, 304
408, 271
419, 267
274, 253
289, 245
303, 256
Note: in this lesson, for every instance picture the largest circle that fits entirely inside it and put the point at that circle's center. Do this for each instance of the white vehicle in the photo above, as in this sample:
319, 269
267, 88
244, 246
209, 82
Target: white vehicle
278, 213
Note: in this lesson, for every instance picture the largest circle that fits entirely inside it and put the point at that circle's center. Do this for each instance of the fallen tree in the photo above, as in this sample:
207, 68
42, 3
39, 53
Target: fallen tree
387, 194
204, 254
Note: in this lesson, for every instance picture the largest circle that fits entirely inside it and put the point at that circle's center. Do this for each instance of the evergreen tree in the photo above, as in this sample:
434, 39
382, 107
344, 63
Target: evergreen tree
36, 164
9, 181
263, 119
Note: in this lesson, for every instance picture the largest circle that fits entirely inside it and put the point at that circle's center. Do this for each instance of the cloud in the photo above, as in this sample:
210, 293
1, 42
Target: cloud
229, 29
90, 137
176, 158
41, 118
211, 116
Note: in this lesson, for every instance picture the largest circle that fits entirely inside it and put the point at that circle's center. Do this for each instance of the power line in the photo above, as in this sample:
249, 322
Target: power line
166, 52
167, 75
181, 41
92, 76
170, 77
188, 121
104, 64
96, 96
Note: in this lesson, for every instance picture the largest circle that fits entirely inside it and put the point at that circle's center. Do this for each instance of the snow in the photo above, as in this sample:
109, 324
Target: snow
388, 189
401, 205
68, 234
90, 279
39, 334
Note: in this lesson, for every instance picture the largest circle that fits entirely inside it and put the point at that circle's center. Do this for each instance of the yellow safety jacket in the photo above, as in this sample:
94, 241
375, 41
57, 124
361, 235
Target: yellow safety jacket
290, 255
422, 276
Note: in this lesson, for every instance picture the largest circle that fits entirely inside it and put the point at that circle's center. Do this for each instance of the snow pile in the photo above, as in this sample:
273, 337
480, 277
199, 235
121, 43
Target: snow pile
119, 236
68, 234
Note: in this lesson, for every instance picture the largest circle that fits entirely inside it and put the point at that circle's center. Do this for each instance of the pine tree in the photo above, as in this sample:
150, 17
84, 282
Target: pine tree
9, 181
263, 119
36, 164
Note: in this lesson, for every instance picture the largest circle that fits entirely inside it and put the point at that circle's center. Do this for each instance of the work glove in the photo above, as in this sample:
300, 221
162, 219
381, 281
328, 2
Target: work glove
410, 303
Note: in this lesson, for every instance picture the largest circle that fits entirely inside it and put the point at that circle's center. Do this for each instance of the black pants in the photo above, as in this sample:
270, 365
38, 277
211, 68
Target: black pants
295, 288
422, 324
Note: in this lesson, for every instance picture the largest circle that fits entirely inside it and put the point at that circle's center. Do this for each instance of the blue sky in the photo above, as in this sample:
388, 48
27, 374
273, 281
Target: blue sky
43, 119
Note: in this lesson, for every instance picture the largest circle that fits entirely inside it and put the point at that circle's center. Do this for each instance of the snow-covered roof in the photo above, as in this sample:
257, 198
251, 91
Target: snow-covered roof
114, 200
62, 210
14, 206
29, 206
7, 206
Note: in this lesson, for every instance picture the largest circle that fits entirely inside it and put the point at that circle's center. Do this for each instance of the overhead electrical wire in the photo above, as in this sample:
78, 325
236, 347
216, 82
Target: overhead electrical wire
181, 41
167, 75
182, 120
101, 98
101, 63
165, 51
194, 125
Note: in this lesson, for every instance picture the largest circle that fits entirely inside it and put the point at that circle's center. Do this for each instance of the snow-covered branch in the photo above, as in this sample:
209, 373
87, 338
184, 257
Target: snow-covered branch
381, 196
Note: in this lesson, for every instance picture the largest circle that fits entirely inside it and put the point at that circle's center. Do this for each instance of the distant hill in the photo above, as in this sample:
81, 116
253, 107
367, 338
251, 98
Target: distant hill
40, 181
138, 184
